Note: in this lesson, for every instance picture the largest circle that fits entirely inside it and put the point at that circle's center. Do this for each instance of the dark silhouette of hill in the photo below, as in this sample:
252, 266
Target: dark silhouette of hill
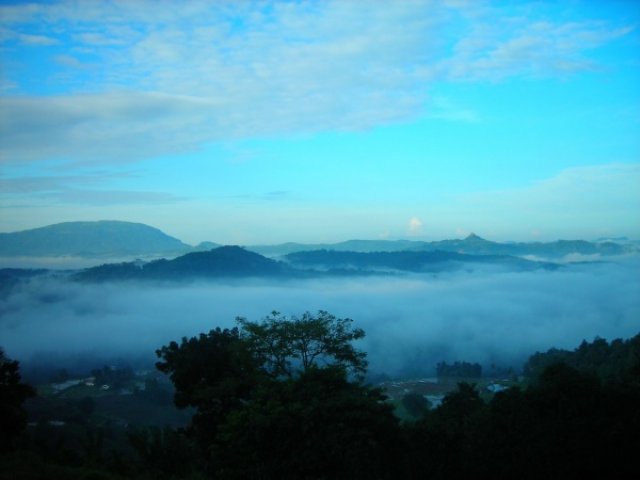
471, 245
222, 262
411, 261
475, 245
364, 246
89, 239
233, 261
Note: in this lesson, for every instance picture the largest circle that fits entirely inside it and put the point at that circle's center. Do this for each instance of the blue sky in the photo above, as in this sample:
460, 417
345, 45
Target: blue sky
264, 122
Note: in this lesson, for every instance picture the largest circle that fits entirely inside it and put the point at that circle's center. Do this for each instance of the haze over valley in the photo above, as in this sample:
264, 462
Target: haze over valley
425, 303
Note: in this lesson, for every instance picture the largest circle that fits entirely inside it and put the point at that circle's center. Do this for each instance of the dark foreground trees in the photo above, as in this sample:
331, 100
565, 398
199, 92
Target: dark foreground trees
565, 424
13, 394
284, 398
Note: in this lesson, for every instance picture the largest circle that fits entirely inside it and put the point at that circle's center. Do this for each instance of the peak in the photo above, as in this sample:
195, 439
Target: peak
473, 236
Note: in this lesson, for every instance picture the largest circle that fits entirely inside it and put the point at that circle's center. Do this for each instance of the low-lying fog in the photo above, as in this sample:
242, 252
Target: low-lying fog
412, 322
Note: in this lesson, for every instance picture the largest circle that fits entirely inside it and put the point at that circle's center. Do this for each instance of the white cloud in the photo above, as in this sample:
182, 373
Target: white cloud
415, 226
168, 77
87, 189
519, 47
40, 40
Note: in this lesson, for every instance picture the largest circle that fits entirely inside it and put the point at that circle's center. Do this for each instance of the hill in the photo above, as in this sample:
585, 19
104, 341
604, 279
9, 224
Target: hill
409, 261
475, 245
235, 262
222, 262
471, 245
105, 238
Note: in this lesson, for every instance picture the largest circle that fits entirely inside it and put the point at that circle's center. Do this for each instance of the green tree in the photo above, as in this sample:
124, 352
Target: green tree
285, 347
13, 394
213, 373
283, 398
317, 425
416, 404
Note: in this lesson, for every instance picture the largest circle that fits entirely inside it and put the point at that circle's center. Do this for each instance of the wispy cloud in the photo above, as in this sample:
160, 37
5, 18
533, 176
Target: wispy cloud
175, 76
573, 203
7, 34
112, 197
518, 46
87, 189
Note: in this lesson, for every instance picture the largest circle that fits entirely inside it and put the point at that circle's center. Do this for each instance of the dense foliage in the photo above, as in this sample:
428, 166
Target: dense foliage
613, 363
459, 370
13, 394
283, 398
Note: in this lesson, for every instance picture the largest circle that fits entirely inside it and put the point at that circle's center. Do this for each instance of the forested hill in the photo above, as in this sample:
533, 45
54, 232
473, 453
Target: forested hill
410, 261
471, 245
614, 362
233, 261
229, 261
107, 238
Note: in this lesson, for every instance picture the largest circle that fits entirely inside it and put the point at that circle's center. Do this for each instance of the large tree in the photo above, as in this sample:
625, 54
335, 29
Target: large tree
13, 394
284, 398
318, 425
213, 373
289, 346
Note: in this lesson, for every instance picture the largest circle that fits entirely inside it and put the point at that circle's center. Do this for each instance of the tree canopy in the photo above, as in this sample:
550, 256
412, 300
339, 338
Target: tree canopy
286, 347
283, 398
13, 393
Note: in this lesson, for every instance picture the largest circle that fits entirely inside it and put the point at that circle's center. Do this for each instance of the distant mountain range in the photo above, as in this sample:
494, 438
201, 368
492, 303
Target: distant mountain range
471, 245
115, 239
407, 261
230, 262
90, 239
237, 262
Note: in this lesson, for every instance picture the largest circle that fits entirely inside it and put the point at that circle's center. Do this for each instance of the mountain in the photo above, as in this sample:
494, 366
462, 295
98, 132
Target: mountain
103, 239
205, 246
346, 246
410, 261
90, 239
222, 262
471, 245
237, 262
475, 245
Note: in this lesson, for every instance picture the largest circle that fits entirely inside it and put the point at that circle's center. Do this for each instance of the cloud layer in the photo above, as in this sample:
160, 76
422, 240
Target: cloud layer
411, 322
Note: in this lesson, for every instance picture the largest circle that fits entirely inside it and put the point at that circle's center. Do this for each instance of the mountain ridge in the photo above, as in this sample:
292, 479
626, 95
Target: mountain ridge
223, 262
119, 239
90, 239
238, 262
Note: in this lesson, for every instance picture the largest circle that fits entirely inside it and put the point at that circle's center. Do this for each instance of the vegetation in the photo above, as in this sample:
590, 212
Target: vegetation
612, 363
219, 262
285, 398
459, 370
408, 261
13, 394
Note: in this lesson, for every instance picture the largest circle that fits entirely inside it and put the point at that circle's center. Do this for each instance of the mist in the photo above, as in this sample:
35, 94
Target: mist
411, 321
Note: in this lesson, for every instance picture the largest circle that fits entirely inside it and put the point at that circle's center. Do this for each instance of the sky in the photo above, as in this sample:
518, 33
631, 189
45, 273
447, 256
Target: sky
246, 122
